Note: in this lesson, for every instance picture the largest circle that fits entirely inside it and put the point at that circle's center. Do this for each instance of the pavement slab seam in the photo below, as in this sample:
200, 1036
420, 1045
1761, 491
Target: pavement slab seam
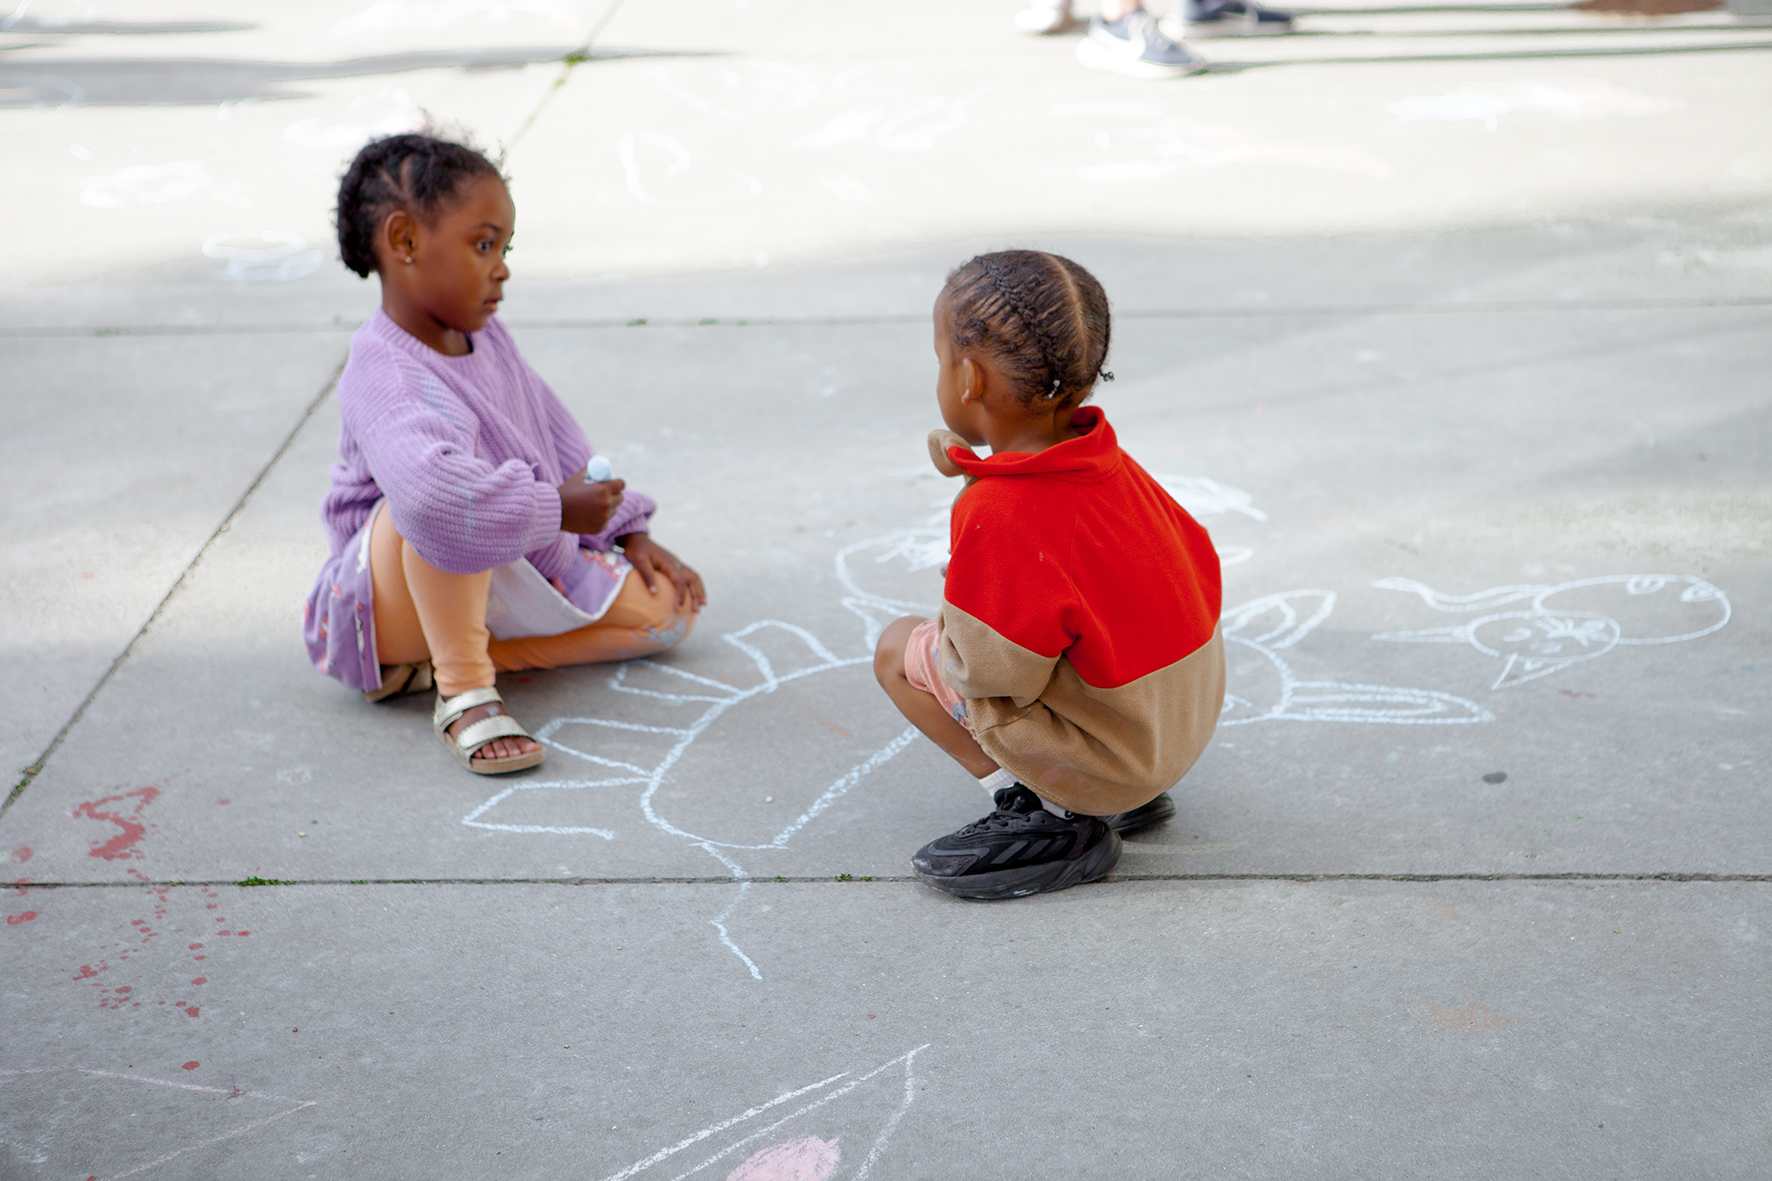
36, 766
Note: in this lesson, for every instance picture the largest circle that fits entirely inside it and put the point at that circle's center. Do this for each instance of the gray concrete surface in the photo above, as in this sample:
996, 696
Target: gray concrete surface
1427, 907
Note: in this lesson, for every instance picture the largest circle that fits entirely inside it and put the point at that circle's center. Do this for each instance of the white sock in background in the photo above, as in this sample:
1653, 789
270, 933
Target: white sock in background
1055, 809
996, 781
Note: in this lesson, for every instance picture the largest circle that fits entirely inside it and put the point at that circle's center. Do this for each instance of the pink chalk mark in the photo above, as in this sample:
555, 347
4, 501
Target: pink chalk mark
192, 1065
20, 855
805, 1159
13, 920
123, 844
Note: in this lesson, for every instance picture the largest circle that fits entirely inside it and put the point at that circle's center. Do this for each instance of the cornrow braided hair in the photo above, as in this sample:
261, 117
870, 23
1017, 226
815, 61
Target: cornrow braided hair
1043, 318
415, 172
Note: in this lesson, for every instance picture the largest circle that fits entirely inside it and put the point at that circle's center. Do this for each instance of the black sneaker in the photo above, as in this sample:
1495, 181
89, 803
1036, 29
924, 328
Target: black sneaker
1019, 849
1141, 818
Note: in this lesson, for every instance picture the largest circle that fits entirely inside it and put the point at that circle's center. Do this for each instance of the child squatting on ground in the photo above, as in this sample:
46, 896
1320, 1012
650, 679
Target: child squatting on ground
1076, 666
465, 537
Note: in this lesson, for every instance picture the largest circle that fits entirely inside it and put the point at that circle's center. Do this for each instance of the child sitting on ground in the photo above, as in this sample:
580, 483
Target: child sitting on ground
1076, 666
465, 536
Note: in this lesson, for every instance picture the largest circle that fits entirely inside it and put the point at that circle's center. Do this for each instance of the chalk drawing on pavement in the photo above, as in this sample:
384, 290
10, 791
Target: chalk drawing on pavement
789, 1145
1569, 622
203, 1105
662, 173
1268, 690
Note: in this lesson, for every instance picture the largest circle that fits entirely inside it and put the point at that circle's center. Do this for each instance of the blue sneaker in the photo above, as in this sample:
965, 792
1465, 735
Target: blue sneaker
1234, 17
1133, 45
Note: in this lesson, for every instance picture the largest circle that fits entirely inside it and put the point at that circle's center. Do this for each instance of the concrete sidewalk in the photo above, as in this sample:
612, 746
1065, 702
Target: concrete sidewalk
1472, 882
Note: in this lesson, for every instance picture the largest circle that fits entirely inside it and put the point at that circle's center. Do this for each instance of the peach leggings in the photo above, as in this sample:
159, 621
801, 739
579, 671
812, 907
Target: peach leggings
423, 613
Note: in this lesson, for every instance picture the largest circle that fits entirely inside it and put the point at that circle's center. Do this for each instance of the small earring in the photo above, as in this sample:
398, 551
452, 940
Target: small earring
408, 260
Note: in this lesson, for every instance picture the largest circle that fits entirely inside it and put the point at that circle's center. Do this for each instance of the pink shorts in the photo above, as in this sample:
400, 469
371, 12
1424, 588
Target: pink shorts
920, 661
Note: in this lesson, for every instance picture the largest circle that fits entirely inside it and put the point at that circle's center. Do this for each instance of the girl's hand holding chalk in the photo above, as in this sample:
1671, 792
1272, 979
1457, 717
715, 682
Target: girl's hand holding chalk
587, 505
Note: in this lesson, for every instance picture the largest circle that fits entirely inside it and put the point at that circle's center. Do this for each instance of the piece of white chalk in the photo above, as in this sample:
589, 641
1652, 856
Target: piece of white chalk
598, 469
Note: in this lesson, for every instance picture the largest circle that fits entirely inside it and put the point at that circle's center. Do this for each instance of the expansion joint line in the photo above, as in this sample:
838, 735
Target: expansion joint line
853, 880
36, 768
572, 61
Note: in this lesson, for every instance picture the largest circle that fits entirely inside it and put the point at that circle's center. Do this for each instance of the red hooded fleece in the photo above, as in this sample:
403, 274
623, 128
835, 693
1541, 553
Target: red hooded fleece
1080, 621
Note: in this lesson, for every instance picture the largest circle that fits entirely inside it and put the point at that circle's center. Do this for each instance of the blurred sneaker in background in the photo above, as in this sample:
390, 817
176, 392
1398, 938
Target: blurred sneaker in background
1225, 18
1044, 16
1135, 46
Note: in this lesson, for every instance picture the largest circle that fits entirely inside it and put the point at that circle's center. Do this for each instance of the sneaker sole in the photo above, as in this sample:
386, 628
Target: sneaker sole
1234, 27
1097, 58
1094, 865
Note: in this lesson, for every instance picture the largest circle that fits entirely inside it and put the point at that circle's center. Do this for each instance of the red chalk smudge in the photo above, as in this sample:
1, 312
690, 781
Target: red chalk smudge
123, 844
201, 980
13, 920
18, 856
805, 1159
191, 1012
195, 946
124, 988
199, 958
192, 1065
242, 934
224, 801
86, 972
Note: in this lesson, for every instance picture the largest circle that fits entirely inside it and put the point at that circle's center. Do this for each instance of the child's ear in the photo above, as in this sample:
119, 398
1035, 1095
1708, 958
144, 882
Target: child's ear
399, 235
971, 380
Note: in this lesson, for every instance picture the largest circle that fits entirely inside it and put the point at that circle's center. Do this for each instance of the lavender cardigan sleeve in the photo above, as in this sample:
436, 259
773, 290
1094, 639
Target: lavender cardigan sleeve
463, 514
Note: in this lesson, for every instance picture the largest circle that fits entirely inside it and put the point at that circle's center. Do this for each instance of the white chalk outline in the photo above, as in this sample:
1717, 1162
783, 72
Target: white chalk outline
1595, 633
879, 1145
632, 169
1330, 701
719, 698
177, 1086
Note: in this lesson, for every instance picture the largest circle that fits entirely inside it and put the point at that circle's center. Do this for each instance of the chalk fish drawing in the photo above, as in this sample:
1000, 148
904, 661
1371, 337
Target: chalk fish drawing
1569, 622
815, 1157
1272, 623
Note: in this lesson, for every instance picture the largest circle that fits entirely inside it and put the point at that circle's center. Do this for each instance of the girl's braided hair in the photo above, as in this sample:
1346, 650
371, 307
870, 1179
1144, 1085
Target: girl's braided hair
1043, 318
415, 172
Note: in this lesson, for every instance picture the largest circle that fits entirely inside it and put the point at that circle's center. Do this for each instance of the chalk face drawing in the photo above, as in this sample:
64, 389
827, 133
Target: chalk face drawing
1558, 625
1270, 625
789, 1144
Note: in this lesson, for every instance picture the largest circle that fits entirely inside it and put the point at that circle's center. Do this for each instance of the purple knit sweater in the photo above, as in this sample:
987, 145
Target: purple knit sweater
469, 452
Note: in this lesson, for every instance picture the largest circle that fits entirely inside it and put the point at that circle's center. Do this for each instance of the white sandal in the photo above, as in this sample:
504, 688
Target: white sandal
475, 735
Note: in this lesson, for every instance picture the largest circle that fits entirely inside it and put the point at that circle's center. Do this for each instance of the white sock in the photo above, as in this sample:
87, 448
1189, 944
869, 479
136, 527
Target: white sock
996, 781
1055, 809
